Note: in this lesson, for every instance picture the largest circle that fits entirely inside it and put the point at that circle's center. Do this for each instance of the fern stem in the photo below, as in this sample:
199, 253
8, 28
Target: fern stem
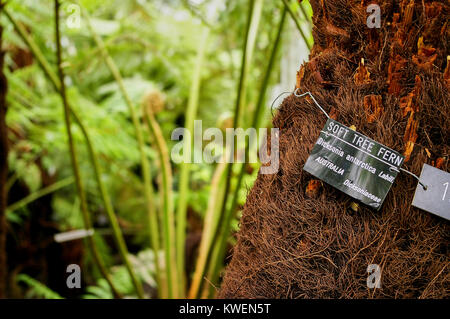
254, 14
73, 156
297, 23
305, 14
117, 232
225, 226
92, 155
185, 166
210, 224
166, 198
40, 193
42, 61
148, 190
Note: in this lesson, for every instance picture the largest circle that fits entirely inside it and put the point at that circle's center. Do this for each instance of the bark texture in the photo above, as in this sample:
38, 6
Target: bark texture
299, 237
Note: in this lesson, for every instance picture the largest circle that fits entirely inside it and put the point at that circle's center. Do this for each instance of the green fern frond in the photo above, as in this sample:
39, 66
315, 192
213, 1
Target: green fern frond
37, 288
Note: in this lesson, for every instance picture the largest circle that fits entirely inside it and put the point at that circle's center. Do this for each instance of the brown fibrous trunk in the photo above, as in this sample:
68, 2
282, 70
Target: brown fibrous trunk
299, 237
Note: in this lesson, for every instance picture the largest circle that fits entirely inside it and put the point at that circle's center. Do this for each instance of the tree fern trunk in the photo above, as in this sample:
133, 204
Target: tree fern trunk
300, 237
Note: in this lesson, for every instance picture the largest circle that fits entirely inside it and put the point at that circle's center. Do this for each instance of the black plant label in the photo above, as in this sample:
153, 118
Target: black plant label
354, 164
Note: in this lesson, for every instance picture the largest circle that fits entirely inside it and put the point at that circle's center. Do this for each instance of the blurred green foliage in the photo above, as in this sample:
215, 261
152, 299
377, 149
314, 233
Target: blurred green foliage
154, 44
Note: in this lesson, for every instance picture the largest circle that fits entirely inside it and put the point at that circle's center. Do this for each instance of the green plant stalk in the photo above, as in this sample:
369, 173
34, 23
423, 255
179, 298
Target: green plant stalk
251, 29
307, 17
34, 49
196, 14
208, 291
225, 226
117, 232
210, 225
93, 157
11, 181
40, 193
254, 14
212, 248
251, 42
297, 23
239, 99
166, 198
148, 190
185, 166
73, 157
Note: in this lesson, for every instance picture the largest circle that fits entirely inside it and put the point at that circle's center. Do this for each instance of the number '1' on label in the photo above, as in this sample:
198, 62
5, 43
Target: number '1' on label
435, 198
